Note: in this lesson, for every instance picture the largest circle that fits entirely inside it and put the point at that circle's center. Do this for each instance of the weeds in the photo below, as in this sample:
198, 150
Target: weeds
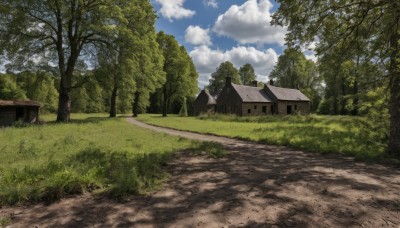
213, 149
4, 222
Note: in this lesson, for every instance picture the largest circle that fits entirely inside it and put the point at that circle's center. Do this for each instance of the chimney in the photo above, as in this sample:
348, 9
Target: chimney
254, 83
228, 80
271, 82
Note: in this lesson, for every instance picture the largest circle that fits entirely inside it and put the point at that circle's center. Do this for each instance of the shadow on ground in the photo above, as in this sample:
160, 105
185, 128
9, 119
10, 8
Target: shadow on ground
254, 186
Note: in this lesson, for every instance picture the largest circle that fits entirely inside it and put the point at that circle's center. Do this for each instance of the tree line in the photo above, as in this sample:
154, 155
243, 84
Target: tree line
115, 39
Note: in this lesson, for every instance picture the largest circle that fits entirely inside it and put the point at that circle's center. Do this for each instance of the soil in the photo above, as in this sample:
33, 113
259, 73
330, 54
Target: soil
255, 185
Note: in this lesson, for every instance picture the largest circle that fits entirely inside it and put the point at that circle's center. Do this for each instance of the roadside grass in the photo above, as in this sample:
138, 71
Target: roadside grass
323, 134
91, 154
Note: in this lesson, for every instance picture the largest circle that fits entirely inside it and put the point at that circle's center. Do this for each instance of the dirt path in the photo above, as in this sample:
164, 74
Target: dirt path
254, 186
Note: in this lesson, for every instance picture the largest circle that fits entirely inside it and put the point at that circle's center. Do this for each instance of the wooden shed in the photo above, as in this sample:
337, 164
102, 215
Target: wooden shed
204, 103
16, 110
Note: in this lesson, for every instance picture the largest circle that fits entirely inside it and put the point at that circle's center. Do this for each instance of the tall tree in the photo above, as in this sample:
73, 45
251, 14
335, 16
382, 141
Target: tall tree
181, 75
62, 32
247, 74
343, 24
217, 81
150, 75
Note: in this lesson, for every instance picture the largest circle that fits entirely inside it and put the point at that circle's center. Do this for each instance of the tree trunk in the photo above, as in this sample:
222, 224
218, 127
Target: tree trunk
113, 107
136, 104
355, 88
64, 103
394, 109
165, 106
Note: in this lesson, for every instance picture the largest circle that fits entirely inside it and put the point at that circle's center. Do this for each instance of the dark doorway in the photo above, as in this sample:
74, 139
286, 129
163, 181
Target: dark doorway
289, 109
264, 109
19, 113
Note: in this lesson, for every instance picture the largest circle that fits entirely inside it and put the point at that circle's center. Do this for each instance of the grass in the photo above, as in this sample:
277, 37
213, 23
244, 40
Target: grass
323, 134
91, 154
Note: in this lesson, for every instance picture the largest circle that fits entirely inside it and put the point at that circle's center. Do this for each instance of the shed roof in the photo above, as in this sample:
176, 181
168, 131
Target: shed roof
285, 94
9, 103
252, 94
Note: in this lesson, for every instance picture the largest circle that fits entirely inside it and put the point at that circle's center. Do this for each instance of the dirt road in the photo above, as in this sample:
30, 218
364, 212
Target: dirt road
254, 186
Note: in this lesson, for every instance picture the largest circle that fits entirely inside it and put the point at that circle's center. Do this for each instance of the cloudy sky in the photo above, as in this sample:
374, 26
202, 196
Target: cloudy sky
214, 31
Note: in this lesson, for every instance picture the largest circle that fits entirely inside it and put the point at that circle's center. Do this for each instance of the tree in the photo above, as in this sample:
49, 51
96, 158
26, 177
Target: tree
9, 89
217, 81
150, 75
39, 86
345, 25
63, 32
293, 70
247, 74
181, 75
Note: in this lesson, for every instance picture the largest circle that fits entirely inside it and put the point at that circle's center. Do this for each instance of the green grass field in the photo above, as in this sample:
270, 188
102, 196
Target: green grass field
93, 153
323, 134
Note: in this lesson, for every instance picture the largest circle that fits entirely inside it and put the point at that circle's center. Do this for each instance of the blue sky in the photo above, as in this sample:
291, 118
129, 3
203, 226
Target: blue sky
214, 31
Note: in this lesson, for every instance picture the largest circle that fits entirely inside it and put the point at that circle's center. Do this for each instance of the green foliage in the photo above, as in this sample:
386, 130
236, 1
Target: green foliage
51, 161
9, 90
375, 126
66, 32
293, 70
356, 31
217, 81
181, 74
247, 74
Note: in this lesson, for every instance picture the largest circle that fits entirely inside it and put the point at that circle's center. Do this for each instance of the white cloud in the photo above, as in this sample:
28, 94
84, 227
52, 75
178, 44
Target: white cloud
207, 60
309, 51
197, 36
173, 9
211, 3
250, 23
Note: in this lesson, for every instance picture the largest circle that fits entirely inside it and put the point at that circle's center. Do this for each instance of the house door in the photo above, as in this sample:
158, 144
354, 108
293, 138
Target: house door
19, 114
289, 109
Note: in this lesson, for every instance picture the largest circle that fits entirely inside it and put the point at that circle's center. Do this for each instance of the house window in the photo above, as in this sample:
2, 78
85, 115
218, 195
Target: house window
264, 109
255, 106
249, 111
295, 107
272, 109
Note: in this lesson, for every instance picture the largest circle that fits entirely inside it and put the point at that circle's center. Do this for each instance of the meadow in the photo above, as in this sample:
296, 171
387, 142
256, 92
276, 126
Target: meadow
354, 136
91, 154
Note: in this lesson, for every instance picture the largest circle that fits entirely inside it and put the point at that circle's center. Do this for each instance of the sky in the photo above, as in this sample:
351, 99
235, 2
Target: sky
214, 31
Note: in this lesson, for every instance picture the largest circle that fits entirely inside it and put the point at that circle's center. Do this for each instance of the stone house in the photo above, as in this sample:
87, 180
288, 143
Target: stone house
15, 110
204, 103
255, 101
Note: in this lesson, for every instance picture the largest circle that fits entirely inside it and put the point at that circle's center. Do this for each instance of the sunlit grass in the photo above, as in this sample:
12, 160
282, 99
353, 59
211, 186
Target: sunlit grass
92, 153
323, 134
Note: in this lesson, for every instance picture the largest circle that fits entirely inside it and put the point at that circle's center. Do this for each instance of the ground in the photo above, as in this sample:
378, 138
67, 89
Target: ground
254, 185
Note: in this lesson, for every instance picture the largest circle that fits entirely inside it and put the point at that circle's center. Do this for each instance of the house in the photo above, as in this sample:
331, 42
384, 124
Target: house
287, 101
254, 101
15, 110
243, 100
204, 103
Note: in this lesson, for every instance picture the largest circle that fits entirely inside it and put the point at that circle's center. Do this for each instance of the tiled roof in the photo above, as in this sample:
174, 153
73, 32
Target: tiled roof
285, 94
19, 103
252, 94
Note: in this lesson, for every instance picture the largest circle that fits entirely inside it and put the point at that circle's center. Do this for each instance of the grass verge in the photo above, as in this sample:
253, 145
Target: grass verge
323, 134
92, 154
